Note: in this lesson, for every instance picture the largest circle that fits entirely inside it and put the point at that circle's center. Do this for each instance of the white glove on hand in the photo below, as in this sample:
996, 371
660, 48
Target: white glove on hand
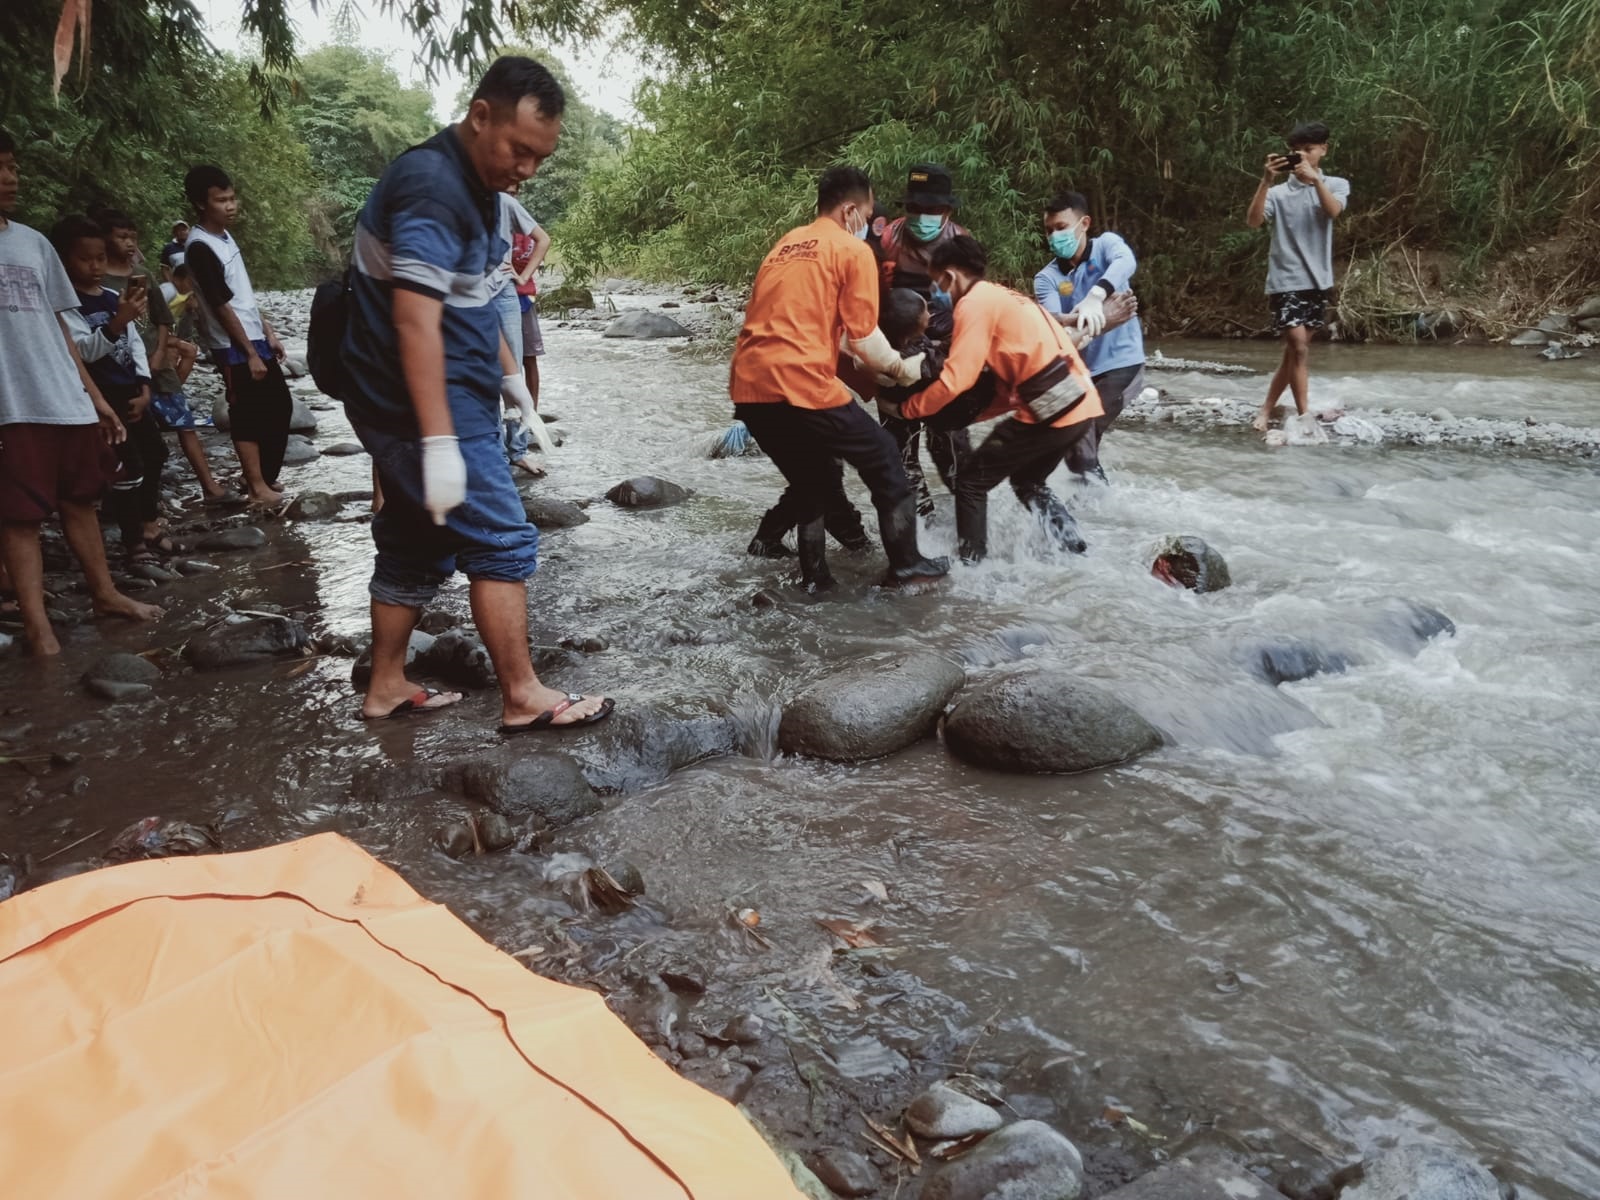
905, 373
514, 391
444, 476
1091, 312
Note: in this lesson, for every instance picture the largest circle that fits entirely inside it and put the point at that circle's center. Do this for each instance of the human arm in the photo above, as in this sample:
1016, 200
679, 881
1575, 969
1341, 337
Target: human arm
1327, 194
110, 426
206, 270
1258, 212
272, 338
969, 352
541, 247
419, 333
858, 313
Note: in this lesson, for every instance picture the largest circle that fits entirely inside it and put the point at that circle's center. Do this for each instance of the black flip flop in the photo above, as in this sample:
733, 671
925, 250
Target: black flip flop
418, 703
546, 719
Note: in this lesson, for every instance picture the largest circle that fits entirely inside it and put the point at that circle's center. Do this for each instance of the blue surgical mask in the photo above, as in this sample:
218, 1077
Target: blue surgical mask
940, 297
1064, 243
924, 227
864, 231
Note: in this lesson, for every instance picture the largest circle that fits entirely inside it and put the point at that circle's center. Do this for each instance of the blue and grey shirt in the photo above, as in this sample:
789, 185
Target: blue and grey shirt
1110, 265
429, 226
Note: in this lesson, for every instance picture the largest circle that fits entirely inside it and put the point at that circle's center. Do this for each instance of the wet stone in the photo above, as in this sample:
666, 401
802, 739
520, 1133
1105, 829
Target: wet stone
686, 979
496, 832
313, 506
645, 325
647, 491
1046, 722
1192, 563
1025, 1161
300, 450
943, 1112
454, 839
459, 658
1407, 626
252, 640
628, 877
245, 537
845, 1173
870, 709
344, 450
720, 1076
544, 787
642, 744
119, 693
361, 671
1197, 1179
547, 512
1424, 1173
746, 1029
302, 419
123, 668
1291, 661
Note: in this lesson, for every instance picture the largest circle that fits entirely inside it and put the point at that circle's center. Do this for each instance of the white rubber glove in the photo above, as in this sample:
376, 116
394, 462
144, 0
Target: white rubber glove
1091, 312
514, 391
444, 476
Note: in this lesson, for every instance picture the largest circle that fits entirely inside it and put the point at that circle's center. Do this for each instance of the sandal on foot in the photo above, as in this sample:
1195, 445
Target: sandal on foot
419, 703
546, 719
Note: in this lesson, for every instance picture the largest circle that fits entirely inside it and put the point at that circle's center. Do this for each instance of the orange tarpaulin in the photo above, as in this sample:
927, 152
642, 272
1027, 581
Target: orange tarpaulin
297, 1022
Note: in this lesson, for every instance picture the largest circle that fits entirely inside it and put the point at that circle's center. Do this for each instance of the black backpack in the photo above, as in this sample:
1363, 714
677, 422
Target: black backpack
330, 320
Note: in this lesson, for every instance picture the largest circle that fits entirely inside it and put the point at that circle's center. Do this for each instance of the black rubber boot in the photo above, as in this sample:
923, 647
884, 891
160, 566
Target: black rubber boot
813, 542
907, 565
768, 541
763, 549
1057, 521
843, 523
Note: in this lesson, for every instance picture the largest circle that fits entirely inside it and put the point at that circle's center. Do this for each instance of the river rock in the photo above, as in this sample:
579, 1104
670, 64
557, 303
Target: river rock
725, 1077
1424, 1173
1438, 324
455, 839
1531, 337
302, 419
1197, 1179
344, 450
544, 787
245, 537
251, 640
299, 451
646, 491
943, 1112
459, 658
549, 513
868, 710
361, 671
1589, 324
220, 416
119, 693
1046, 722
642, 324
1292, 661
1192, 563
1555, 323
123, 668
1025, 1161
1408, 626
567, 296
641, 744
313, 506
845, 1173
1589, 310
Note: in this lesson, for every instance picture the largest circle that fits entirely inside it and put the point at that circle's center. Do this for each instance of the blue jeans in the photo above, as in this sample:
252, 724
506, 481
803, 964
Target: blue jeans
509, 311
516, 438
487, 536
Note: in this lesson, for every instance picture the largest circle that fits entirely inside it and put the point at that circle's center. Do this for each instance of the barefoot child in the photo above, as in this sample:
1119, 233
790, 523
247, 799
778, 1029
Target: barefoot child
56, 431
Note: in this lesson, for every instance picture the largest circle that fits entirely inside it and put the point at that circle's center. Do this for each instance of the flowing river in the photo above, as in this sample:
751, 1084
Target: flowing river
1364, 907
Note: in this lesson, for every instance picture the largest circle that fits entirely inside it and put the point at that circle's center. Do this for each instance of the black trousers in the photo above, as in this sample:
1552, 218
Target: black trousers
1116, 388
807, 444
1024, 454
142, 456
840, 517
949, 449
260, 411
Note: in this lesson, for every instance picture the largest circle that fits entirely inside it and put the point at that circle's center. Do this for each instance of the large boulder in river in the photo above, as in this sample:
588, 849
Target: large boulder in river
1408, 626
567, 296
643, 743
301, 418
1424, 1173
642, 324
248, 640
1192, 563
459, 658
1292, 660
545, 787
870, 709
1025, 1161
549, 513
1046, 722
646, 491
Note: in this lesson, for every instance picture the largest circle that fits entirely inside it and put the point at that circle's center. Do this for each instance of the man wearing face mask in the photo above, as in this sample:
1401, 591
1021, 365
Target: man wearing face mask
1074, 287
903, 250
819, 285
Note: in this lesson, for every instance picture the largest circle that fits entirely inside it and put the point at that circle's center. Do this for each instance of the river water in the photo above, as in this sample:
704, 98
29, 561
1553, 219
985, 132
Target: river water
1364, 907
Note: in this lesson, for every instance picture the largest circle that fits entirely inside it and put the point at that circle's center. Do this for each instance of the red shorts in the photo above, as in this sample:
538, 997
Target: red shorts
43, 465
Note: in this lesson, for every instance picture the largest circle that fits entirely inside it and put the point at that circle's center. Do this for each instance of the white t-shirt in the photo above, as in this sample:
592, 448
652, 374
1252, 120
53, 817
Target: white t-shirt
242, 297
513, 219
39, 382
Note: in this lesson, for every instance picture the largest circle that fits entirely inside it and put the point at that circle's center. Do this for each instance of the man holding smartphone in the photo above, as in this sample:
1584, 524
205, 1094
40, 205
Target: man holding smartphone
1302, 210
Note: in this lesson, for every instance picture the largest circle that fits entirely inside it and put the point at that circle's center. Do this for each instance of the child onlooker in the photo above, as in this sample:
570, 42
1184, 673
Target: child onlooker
517, 225
527, 255
241, 341
171, 359
55, 428
103, 326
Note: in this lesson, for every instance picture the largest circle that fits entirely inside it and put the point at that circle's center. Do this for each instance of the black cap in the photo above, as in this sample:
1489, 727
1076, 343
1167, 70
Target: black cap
930, 185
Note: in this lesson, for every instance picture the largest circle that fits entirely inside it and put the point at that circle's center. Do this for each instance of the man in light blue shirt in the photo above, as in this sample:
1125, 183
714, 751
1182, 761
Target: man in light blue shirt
1074, 287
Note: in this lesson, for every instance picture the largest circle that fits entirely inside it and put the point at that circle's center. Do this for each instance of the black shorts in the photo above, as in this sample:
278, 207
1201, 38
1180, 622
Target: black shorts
1308, 307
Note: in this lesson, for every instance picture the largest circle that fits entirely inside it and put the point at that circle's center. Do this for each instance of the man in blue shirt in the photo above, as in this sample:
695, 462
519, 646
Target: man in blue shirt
1074, 287
427, 368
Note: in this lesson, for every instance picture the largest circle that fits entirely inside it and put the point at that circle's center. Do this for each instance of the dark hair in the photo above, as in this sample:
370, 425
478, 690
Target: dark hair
1309, 133
197, 184
901, 314
110, 219
8, 144
963, 252
1062, 201
69, 231
512, 78
839, 184
181, 271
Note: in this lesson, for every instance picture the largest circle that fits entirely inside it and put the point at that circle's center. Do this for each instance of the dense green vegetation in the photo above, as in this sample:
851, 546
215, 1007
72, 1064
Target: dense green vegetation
1464, 125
